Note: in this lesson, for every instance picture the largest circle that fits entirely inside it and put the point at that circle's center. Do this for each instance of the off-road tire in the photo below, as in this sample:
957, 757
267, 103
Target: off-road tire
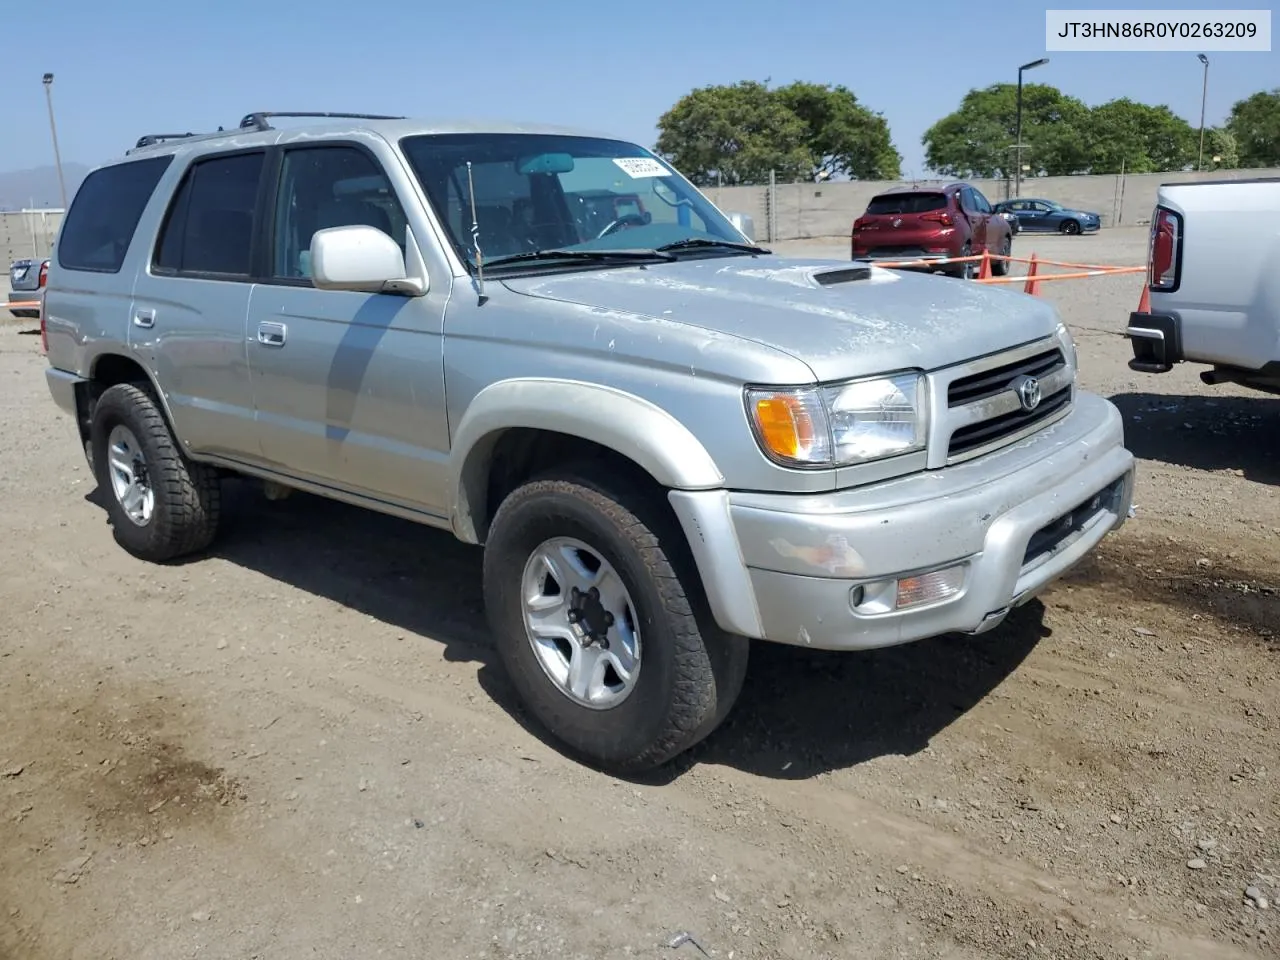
188, 495
691, 671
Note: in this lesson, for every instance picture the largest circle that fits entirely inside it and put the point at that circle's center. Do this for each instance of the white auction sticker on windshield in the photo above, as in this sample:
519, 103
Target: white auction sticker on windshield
637, 167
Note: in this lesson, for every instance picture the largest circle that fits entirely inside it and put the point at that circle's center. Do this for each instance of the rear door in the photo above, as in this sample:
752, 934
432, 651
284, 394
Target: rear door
1033, 215
978, 211
187, 321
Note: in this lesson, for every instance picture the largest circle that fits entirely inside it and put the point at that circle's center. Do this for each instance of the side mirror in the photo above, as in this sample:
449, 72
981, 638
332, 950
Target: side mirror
361, 259
745, 224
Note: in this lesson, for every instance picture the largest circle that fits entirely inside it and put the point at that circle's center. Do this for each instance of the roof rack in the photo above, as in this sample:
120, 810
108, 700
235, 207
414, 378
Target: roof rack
258, 120
154, 138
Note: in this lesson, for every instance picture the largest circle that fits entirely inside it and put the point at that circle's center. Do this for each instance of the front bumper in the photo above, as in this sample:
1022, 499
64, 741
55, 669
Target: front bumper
1156, 340
810, 570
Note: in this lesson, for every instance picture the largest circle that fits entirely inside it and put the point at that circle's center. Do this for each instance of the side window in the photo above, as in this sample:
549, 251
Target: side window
209, 226
980, 202
105, 213
333, 186
966, 200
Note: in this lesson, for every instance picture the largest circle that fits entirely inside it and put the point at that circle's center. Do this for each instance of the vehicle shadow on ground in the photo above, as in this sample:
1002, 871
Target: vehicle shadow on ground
807, 712
801, 712
1205, 433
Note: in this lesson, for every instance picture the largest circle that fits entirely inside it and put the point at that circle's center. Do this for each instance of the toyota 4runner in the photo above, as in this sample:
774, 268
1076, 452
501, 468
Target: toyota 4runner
668, 440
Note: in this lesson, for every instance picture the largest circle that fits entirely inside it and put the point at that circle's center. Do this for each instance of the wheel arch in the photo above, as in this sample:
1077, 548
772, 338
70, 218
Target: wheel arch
544, 421
106, 370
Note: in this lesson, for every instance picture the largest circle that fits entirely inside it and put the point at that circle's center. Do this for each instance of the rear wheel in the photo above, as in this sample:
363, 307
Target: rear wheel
967, 270
1000, 268
597, 628
160, 504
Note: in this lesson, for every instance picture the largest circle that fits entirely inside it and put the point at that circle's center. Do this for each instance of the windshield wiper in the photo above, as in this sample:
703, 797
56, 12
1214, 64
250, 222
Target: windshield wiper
595, 255
703, 242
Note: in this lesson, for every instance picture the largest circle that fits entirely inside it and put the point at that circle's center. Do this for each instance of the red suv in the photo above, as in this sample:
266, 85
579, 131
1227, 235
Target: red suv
926, 223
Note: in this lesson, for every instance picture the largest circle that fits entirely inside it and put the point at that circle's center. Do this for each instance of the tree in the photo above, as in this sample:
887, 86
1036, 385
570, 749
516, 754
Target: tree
843, 137
737, 134
1220, 149
977, 139
1139, 138
1255, 124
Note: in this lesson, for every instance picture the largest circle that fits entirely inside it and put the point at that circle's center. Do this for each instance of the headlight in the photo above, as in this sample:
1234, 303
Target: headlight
842, 423
1069, 347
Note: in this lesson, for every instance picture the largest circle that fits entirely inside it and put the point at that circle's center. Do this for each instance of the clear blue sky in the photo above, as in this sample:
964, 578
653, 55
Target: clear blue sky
137, 66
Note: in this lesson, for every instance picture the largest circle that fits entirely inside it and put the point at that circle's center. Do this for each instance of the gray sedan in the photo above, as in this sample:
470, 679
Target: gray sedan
26, 285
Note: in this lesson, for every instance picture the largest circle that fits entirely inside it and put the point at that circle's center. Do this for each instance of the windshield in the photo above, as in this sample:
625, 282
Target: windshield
906, 203
550, 192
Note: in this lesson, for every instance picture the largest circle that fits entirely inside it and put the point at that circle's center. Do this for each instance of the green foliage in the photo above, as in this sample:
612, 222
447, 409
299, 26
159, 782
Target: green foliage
1138, 138
737, 134
976, 141
1255, 124
843, 137
1221, 143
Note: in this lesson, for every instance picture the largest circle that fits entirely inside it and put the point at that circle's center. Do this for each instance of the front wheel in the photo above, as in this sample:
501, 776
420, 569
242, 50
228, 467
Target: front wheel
596, 628
1070, 228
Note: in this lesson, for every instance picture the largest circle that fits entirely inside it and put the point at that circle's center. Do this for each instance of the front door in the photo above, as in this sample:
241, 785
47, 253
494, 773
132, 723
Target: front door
348, 387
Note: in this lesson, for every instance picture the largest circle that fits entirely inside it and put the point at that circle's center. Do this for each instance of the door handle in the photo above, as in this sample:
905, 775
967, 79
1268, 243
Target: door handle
144, 318
272, 334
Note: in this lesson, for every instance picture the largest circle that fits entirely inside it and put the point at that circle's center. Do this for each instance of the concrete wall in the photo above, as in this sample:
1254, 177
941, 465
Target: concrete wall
803, 209
27, 234
829, 209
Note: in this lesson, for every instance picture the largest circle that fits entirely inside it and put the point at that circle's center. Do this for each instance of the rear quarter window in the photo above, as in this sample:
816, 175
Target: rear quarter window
907, 203
105, 213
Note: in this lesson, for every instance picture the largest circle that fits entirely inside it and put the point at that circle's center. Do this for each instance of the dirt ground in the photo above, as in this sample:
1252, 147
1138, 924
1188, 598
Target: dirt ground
302, 745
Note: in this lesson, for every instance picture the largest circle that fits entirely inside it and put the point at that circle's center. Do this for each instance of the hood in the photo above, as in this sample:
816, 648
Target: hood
841, 327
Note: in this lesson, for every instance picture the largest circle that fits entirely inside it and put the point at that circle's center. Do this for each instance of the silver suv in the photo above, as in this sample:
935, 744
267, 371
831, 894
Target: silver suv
667, 439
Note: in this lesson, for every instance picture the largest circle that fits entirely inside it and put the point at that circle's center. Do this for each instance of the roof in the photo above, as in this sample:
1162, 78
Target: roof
388, 128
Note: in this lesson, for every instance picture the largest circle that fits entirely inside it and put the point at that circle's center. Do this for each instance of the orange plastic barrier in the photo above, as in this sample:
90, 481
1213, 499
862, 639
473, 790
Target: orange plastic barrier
21, 304
1033, 278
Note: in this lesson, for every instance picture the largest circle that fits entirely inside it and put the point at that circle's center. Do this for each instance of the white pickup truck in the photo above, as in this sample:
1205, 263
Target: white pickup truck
1214, 283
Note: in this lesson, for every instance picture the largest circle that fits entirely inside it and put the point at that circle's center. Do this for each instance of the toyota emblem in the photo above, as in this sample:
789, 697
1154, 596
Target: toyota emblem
1028, 391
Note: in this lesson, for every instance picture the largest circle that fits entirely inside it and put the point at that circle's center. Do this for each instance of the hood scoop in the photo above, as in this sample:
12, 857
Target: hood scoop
829, 278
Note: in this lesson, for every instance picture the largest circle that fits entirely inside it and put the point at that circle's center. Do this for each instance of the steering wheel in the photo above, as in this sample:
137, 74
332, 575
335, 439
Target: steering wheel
627, 219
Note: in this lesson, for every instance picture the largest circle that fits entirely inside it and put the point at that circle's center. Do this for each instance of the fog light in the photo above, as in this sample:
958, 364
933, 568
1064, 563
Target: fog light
930, 587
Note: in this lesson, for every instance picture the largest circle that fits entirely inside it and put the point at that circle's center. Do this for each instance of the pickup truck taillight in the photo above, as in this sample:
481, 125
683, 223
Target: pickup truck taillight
1164, 254
44, 273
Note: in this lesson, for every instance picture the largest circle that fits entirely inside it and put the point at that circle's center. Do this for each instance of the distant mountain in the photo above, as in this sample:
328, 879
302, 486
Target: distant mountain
20, 189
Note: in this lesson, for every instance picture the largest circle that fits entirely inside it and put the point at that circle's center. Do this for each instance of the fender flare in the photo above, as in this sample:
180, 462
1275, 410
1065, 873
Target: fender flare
631, 426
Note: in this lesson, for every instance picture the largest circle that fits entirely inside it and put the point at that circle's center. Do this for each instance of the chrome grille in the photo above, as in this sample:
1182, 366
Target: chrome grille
981, 386
978, 409
984, 432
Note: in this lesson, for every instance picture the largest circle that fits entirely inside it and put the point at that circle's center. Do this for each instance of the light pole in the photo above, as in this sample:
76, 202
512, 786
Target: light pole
1204, 92
1017, 140
53, 129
